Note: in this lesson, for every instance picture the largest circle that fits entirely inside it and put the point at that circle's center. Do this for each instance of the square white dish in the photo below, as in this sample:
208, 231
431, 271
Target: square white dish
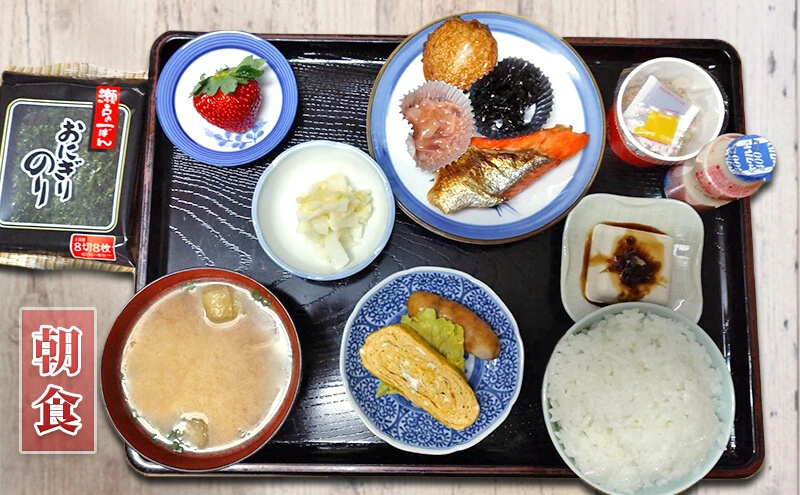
677, 219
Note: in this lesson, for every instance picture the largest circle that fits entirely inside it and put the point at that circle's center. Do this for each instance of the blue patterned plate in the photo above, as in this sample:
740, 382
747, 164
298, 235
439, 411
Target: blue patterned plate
577, 102
203, 141
395, 419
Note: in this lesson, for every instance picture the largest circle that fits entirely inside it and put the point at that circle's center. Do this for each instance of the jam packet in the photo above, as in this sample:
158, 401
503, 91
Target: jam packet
69, 164
659, 118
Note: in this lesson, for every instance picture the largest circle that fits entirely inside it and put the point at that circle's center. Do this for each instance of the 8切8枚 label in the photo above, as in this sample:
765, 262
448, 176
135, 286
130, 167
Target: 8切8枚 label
93, 247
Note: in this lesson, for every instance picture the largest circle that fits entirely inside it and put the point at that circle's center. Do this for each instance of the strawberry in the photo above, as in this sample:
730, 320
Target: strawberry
230, 99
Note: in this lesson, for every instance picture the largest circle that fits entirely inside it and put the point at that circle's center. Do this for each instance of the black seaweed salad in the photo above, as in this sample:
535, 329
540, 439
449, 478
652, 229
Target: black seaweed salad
512, 100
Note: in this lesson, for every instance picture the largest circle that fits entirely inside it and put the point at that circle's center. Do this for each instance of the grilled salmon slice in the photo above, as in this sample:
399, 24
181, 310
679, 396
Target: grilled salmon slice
558, 142
496, 170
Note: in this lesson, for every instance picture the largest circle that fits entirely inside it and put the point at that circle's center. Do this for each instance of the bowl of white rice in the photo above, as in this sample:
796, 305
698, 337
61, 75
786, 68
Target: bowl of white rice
638, 399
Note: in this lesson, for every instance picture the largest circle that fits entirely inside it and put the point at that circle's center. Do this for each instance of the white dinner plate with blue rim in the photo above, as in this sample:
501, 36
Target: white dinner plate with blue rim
496, 383
203, 141
577, 102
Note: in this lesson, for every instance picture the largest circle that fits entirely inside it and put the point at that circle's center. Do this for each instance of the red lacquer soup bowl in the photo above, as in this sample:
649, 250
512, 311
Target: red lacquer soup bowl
130, 428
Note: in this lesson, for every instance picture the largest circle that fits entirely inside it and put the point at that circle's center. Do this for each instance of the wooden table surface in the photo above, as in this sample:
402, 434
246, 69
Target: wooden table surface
118, 34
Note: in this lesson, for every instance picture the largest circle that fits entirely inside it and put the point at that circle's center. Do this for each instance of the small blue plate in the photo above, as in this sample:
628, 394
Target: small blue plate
577, 102
198, 138
496, 383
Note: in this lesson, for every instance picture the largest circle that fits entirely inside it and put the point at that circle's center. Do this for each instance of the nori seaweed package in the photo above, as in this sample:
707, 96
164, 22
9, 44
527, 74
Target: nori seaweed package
69, 165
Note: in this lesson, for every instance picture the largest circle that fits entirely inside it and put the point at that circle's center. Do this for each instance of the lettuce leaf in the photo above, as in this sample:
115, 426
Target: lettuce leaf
443, 335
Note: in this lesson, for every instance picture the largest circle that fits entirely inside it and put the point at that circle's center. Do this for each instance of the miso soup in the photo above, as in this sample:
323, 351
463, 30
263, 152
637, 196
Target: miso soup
206, 378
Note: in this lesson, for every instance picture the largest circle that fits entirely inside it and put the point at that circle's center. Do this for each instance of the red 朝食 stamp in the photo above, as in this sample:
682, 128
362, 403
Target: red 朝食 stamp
58, 409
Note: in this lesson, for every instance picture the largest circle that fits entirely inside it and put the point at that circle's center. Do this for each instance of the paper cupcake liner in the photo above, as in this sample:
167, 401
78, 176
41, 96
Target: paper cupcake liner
458, 141
514, 99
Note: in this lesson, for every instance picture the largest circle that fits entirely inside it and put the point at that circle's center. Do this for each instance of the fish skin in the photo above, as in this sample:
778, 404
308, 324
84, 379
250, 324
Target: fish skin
481, 178
558, 142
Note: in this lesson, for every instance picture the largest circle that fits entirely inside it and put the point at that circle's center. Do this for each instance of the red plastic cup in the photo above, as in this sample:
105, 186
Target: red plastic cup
704, 93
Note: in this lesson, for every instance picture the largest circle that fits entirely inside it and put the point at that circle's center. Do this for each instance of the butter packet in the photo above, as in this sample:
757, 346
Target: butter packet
659, 117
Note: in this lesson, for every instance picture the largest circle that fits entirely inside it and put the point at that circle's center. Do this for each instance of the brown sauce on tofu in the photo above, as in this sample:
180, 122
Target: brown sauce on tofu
635, 261
635, 226
636, 267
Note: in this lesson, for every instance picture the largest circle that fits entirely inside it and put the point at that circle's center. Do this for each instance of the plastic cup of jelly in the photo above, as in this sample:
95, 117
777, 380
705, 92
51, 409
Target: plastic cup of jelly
700, 89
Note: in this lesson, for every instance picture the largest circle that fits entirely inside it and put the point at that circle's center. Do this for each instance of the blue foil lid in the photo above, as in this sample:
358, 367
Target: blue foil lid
751, 158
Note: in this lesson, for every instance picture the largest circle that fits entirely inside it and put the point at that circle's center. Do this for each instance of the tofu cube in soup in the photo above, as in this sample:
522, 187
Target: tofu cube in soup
219, 304
191, 431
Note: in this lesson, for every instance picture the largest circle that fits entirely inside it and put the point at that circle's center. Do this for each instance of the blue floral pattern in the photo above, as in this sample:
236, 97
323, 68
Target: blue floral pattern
386, 412
238, 141
394, 418
387, 304
499, 374
444, 284
355, 368
491, 313
505, 206
418, 427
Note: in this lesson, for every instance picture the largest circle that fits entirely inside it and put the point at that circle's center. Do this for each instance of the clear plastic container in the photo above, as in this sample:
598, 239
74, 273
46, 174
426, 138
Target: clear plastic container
732, 166
699, 89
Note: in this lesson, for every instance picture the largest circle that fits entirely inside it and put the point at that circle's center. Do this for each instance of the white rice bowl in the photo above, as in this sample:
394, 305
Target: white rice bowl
634, 401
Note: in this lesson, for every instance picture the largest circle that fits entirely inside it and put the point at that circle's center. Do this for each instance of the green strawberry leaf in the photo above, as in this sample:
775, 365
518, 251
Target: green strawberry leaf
250, 61
248, 72
228, 85
199, 86
228, 79
212, 86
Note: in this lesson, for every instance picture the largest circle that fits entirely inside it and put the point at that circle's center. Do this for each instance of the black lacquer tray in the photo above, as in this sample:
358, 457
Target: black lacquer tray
195, 215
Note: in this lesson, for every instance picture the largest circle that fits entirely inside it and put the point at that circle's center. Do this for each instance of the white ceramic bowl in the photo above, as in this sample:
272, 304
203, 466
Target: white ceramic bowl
274, 207
725, 412
675, 218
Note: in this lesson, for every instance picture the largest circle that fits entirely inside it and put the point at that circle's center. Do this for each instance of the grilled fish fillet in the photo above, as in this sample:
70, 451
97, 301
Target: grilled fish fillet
480, 178
401, 358
495, 170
